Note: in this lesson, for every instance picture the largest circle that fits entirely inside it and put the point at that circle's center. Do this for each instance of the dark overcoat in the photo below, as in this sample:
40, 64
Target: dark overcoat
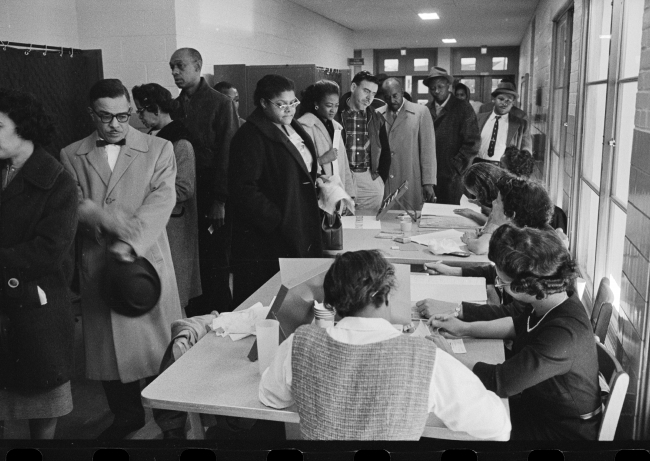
38, 221
273, 198
457, 143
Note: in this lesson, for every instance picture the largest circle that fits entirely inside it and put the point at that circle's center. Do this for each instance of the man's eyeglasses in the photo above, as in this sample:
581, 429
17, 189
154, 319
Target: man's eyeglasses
108, 118
499, 283
284, 107
507, 101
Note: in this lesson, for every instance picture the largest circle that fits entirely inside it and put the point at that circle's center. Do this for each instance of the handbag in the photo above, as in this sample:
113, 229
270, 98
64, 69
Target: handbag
332, 231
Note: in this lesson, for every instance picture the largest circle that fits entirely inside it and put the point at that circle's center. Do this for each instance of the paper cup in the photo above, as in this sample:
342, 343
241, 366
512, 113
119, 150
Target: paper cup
268, 342
406, 226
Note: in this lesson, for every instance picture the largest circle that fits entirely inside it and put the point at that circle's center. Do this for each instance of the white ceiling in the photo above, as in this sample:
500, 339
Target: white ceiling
395, 23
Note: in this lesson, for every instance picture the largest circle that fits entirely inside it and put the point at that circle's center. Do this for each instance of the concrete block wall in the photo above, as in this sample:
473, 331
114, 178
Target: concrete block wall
632, 346
43, 22
260, 32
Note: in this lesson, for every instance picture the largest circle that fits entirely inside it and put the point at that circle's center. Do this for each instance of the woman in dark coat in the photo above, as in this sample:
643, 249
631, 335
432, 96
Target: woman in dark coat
551, 377
272, 192
38, 221
153, 104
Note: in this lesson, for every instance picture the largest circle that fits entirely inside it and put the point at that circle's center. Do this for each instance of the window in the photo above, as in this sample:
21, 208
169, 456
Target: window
424, 102
499, 63
391, 65
420, 65
467, 63
422, 88
469, 83
608, 124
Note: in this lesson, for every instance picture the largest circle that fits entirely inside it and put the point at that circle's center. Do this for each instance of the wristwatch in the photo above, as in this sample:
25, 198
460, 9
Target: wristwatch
459, 310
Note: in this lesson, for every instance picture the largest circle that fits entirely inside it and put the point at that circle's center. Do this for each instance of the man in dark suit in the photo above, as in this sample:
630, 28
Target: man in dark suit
501, 128
457, 135
211, 119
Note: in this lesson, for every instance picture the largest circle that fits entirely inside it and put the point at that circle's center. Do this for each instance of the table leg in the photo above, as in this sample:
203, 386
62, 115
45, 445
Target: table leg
292, 431
196, 427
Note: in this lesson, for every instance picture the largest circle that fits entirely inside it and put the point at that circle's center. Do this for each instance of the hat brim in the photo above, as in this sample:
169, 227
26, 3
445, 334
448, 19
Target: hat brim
504, 91
134, 288
428, 80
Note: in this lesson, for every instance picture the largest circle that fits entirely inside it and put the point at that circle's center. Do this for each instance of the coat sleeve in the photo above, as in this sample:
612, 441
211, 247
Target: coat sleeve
224, 126
427, 146
384, 158
246, 195
526, 142
53, 234
550, 354
470, 139
185, 170
345, 167
150, 219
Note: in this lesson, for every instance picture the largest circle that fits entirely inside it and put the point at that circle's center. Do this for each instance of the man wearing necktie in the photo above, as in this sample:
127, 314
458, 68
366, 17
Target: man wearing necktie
413, 147
126, 186
501, 128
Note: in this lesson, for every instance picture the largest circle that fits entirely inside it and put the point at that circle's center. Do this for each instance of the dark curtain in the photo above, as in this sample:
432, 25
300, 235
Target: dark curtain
60, 82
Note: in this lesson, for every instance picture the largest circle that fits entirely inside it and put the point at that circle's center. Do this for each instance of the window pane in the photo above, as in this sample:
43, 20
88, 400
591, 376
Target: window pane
593, 132
422, 88
587, 226
624, 134
555, 173
391, 65
631, 46
617, 224
495, 84
420, 65
499, 63
467, 63
557, 119
560, 51
600, 22
469, 83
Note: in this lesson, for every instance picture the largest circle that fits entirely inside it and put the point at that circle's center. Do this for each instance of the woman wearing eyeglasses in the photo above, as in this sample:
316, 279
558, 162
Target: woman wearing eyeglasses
552, 376
272, 190
154, 103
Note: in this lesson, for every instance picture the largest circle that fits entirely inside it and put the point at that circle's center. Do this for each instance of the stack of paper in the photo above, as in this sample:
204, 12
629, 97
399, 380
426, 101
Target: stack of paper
443, 216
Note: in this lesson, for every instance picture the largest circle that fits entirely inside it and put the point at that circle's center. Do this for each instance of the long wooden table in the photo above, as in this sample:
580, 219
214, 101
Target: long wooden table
365, 239
216, 377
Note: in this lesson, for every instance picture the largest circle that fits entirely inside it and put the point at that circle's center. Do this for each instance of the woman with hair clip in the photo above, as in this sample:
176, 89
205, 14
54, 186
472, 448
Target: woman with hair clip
362, 379
319, 104
154, 103
552, 376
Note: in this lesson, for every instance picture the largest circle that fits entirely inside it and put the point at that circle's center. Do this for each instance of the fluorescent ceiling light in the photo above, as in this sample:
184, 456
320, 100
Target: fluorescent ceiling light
428, 16
448, 40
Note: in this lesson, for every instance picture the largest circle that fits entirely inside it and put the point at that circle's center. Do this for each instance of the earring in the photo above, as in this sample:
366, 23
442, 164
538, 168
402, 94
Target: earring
316, 107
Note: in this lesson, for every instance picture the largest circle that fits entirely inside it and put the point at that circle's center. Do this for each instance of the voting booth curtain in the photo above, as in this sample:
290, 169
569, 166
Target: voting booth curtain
60, 78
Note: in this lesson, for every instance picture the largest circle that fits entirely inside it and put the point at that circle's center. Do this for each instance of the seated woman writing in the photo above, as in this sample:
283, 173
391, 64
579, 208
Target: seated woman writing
520, 202
554, 366
480, 180
362, 379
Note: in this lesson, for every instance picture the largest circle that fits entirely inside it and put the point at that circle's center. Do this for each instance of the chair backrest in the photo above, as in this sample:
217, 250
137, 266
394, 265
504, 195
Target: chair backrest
618, 382
602, 323
603, 295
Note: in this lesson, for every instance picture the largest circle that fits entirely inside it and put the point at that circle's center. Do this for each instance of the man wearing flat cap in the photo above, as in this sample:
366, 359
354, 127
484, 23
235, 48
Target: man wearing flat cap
500, 128
126, 186
457, 135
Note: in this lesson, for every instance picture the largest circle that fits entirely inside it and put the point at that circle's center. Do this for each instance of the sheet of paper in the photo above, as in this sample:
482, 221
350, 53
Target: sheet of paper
447, 222
424, 239
360, 222
439, 209
448, 288
465, 203
457, 346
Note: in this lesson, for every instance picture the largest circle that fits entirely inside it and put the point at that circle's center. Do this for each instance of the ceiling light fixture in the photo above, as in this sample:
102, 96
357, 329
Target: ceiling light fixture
403, 51
448, 40
428, 16
483, 49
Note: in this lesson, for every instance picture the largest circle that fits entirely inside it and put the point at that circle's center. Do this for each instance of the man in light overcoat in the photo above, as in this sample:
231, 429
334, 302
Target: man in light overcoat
127, 176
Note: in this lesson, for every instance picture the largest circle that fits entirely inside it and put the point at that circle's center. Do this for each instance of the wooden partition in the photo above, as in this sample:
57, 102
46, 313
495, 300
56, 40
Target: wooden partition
245, 78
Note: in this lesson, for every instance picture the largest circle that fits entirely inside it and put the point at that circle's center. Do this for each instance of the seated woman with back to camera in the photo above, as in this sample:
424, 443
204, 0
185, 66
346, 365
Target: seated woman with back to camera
362, 379
552, 376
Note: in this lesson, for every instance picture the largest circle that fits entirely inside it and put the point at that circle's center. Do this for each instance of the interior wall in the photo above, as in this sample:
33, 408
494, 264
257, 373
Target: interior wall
42, 22
260, 32
136, 37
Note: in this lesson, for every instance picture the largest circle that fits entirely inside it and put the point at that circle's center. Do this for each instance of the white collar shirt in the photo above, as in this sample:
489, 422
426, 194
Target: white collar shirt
486, 136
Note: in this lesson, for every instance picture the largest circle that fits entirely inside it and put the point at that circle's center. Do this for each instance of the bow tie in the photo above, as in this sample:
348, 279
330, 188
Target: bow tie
103, 143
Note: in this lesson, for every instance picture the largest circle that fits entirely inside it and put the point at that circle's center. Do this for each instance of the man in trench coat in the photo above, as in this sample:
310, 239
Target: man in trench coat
129, 177
413, 147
